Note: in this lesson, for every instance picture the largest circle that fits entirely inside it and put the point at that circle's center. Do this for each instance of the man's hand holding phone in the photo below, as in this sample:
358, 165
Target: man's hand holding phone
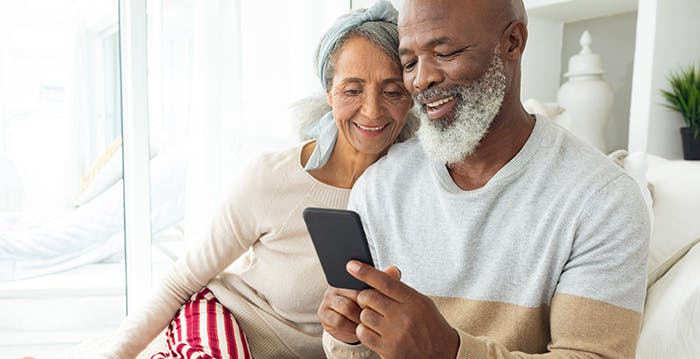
394, 320
373, 306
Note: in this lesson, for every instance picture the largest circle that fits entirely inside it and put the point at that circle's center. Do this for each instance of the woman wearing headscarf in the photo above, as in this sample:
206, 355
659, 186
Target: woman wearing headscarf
265, 305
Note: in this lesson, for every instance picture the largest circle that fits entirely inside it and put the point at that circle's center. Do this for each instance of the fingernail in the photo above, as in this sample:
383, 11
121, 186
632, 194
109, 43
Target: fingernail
353, 266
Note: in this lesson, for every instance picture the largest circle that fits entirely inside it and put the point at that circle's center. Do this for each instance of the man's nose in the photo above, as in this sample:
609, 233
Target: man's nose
427, 75
372, 107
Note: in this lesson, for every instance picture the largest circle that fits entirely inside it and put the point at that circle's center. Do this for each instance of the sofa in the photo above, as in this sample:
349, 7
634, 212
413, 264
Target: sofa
671, 324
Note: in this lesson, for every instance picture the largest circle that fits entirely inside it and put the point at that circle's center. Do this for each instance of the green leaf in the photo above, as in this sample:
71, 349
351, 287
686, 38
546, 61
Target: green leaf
684, 95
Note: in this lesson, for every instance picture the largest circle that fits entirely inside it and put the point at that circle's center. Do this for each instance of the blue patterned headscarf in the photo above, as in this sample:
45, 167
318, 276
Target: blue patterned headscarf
325, 131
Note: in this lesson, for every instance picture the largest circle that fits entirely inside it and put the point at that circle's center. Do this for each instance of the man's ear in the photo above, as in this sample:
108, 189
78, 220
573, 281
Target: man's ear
514, 40
329, 98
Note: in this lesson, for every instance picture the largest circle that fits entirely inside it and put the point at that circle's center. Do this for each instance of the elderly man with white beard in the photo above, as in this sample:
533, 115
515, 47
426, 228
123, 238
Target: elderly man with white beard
513, 238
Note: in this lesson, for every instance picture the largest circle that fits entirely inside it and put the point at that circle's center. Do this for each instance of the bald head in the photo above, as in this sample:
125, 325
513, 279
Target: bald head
490, 10
517, 10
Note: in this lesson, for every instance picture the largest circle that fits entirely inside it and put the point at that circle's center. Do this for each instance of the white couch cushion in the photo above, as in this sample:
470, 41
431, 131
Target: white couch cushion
671, 325
676, 192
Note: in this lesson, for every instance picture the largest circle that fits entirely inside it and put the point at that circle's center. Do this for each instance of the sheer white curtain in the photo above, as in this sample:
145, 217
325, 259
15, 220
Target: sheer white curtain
250, 61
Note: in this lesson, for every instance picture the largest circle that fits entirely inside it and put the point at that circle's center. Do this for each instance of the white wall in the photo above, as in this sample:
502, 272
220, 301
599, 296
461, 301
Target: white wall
667, 41
541, 65
613, 39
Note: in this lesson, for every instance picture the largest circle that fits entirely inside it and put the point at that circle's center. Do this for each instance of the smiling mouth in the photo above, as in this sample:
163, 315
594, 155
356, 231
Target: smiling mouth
441, 108
435, 104
371, 129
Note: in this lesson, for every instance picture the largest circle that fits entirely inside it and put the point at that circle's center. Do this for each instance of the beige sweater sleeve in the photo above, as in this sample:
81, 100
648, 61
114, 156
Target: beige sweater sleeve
234, 229
580, 328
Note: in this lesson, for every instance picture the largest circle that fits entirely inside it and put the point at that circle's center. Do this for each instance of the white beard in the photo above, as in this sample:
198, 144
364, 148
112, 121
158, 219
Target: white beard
450, 141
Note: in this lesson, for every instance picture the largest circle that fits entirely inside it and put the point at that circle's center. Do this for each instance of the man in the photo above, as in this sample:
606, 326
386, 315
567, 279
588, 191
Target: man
513, 238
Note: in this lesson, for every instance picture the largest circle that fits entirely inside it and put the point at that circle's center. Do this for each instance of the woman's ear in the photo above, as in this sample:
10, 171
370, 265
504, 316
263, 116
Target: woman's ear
329, 98
515, 38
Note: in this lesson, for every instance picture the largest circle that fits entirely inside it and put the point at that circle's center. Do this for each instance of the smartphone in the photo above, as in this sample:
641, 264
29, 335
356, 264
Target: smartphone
338, 237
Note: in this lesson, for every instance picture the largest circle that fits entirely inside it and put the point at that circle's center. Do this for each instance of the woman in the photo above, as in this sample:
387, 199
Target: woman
266, 306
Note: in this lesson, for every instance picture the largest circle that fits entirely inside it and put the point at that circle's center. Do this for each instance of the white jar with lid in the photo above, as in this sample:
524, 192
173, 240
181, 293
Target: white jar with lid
586, 96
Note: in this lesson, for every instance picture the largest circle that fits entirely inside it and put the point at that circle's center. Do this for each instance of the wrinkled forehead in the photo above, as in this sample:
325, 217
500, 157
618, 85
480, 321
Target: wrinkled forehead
422, 23
483, 11
421, 11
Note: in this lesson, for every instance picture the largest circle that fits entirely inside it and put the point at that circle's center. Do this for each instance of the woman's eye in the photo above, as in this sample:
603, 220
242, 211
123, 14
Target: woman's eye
352, 92
393, 93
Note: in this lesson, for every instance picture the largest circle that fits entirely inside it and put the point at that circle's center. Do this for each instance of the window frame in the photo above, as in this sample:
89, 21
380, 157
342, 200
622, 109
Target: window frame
136, 152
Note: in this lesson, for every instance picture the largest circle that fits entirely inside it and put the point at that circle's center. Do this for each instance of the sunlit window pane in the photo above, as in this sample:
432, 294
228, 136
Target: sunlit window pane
61, 202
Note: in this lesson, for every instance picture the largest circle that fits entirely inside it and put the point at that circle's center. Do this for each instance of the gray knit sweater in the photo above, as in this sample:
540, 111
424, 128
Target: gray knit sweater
548, 257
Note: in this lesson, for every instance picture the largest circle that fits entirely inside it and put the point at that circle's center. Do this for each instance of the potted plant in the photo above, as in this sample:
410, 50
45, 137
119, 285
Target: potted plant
684, 97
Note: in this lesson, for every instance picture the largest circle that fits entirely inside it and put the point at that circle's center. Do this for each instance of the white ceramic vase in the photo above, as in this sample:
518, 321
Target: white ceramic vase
586, 96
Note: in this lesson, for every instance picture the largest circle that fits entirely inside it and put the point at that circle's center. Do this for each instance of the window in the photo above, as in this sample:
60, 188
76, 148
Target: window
61, 211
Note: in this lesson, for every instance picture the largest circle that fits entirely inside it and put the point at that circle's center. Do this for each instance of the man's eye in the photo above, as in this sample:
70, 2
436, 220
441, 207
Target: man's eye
352, 92
448, 54
408, 66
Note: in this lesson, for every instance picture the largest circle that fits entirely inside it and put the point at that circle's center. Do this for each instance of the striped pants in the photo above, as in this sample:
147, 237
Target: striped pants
204, 329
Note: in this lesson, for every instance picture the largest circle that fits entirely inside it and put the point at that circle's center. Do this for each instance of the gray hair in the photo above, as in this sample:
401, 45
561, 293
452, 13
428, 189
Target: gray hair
377, 24
383, 34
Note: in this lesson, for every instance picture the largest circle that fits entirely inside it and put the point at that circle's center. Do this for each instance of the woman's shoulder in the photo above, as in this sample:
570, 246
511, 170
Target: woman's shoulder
282, 159
260, 177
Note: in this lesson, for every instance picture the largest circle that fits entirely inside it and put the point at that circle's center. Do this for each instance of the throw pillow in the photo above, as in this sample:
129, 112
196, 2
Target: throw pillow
676, 224
671, 325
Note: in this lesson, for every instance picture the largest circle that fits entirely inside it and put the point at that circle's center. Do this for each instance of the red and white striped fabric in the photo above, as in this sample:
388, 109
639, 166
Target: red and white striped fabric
204, 329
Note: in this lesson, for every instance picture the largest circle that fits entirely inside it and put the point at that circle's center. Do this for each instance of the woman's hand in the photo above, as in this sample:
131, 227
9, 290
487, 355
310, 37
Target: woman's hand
339, 312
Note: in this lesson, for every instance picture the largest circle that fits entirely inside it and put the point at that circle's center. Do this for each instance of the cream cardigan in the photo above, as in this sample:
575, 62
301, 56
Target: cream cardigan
276, 284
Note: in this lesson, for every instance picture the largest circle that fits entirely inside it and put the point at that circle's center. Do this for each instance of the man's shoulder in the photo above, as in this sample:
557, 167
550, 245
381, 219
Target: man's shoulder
574, 160
402, 154
407, 148
399, 165
401, 157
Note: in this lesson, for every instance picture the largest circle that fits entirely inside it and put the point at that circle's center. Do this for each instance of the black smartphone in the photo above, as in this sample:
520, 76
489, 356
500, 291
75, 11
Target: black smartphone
338, 237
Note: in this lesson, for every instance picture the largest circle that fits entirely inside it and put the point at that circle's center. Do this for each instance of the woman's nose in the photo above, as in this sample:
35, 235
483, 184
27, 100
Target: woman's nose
372, 107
